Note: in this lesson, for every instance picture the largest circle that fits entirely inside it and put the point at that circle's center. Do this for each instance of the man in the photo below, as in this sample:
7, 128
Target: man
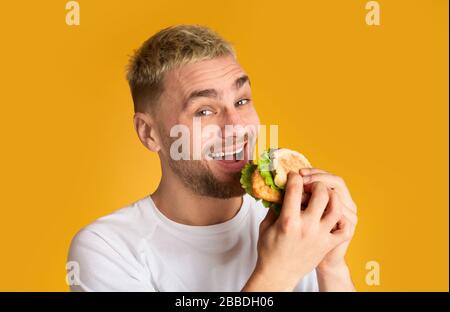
198, 231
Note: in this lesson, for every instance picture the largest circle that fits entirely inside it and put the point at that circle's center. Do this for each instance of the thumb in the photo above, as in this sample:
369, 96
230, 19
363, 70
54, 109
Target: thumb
269, 219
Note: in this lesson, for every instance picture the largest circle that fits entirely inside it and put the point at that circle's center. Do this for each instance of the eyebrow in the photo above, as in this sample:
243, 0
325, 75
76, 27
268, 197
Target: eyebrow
212, 93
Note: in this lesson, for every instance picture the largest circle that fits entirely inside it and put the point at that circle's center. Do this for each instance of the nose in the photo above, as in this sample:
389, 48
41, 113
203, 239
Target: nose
232, 118
233, 125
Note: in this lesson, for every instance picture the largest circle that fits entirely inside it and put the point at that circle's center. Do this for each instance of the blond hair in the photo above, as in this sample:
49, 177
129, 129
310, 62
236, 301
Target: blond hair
170, 48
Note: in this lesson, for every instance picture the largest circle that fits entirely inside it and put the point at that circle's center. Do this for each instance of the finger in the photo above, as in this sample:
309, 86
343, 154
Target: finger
334, 212
318, 201
292, 196
350, 215
268, 220
333, 182
346, 211
305, 200
309, 171
343, 233
330, 179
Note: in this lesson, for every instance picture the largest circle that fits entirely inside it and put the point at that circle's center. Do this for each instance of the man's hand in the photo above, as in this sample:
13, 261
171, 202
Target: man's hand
293, 244
332, 271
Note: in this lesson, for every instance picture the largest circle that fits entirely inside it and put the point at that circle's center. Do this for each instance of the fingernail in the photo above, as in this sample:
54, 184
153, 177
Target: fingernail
304, 171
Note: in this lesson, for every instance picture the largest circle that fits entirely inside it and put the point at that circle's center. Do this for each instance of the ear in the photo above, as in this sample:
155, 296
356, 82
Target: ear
147, 131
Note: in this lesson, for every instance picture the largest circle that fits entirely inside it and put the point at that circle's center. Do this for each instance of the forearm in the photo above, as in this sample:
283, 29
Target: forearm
335, 279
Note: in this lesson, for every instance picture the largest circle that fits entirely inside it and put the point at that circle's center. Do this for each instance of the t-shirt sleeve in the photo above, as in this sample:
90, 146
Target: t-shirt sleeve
308, 283
95, 265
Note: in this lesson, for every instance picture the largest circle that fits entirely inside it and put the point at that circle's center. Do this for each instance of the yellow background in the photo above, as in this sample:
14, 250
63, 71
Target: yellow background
367, 103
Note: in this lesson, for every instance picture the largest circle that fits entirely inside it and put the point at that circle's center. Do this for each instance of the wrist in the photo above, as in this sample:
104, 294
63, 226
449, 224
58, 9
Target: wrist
261, 280
334, 268
335, 278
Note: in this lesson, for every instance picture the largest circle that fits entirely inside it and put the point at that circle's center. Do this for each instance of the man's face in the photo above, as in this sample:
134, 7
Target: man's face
215, 93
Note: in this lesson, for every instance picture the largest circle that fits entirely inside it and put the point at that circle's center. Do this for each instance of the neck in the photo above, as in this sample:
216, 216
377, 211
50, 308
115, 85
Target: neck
181, 205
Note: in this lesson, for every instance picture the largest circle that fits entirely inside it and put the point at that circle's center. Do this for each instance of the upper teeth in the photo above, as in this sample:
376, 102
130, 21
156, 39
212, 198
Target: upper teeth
222, 154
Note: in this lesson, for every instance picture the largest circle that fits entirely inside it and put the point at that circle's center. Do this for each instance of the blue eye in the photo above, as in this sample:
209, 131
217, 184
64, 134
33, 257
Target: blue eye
242, 102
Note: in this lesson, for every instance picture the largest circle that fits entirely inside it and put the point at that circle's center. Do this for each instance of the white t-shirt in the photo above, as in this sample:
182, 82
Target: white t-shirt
137, 248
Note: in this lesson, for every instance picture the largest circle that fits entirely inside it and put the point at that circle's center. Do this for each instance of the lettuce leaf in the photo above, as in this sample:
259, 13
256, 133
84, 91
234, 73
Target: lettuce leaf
264, 167
246, 177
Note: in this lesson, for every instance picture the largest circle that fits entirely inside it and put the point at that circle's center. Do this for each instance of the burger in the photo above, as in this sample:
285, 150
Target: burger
266, 178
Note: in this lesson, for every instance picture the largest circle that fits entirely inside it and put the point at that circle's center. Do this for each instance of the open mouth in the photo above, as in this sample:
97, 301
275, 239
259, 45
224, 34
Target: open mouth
237, 154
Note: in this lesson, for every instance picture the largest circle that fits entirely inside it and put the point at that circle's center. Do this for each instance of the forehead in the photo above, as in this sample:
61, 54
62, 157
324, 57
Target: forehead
218, 73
